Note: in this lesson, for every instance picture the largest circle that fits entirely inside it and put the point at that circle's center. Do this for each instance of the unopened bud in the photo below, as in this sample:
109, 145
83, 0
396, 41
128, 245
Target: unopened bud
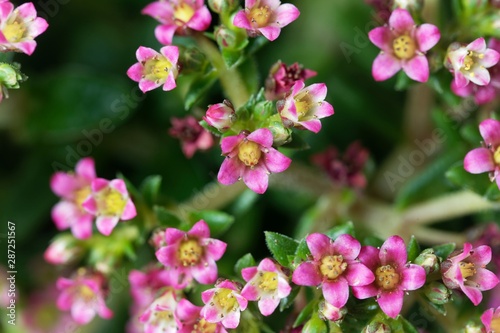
377, 327
65, 249
329, 312
428, 260
192, 60
437, 292
220, 115
219, 6
10, 76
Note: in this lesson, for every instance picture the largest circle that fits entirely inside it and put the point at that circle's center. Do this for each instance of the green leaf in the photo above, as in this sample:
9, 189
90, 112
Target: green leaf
407, 326
150, 188
444, 250
246, 261
439, 308
301, 253
198, 87
286, 302
413, 248
315, 325
231, 57
346, 228
403, 82
217, 221
166, 218
493, 193
297, 142
305, 313
280, 246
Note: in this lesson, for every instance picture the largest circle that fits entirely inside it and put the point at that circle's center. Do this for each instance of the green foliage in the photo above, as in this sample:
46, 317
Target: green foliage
281, 246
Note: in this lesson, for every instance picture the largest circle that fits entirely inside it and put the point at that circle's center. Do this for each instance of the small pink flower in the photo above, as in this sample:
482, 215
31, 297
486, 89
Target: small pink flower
491, 320
252, 158
220, 115
157, 239
486, 158
304, 106
266, 284
281, 79
155, 69
190, 320
330, 312
191, 134
63, 250
403, 46
471, 62
144, 285
19, 27
84, 297
110, 202
74, 189
334, 267
223, 304
178, 17
159, 316
191, 254
393, 275
265, 17
465, 269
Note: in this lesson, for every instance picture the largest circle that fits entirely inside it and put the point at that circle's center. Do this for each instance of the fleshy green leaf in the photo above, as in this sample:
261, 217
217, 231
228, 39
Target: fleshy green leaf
217, 221
246, 261
413, 248
315, 325
166, 218
280, 246
231, 57
301, 253
444, 250
150, 188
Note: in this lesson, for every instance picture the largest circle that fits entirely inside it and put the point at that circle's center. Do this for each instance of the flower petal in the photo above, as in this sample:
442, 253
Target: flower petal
306, 274
276, 161
485, 279
427, 36
382, 38
347, 246
319, 245
393, 251
267, 305
473, 294
336, 292
201, 19
363, 292
286, 14
417, 68
412, 277
385, 66
391, 302
229, 143
358, 274
106, 224
230, 171
256, 179
479, 160
401, 20
490, 131
241, 20
262, 136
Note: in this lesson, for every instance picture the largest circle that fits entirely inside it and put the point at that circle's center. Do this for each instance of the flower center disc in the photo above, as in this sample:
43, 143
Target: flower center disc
495, 325
249, 153
189, 252
404, 47
183, 13
496, 155
203, 326
467, 269
332, 266
161, 68
268, 281
14, 31
259, 16
81, 195
386, 277
302, 103
112, 203
225, 299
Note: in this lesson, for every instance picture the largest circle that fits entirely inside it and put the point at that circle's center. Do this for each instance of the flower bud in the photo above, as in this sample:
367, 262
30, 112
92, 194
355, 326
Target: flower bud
377, 327
225, 37
473, 328
409, 4
281, 134
219, 6
220, 115
65, 249
437, 292
192, 60
428, 260
327, 311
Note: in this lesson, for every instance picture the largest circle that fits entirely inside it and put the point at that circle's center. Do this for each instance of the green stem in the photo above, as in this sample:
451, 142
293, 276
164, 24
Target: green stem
232, 82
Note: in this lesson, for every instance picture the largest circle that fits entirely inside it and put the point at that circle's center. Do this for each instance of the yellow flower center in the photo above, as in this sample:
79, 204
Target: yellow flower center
225, 299
189, 252
183, 13
268, 281
495, 324
14, 31
161, 68
302, 103
332, 266
203, 326
86, 293
467, 269
259, 16
386, 277
81, 195
111, 202
496, 155
404, 47
249, 153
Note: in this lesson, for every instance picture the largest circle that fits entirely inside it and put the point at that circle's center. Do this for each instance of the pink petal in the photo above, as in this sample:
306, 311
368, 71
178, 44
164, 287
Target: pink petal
267, 265
369, 256
412, 277
230, 171
232, 320
393, 251
363, 292
103, 311
464, 91
167, 255
250, 292
313, 125
286, 14
485, 94
82, 226
229, 143
391, 302
27, 11
205, 272
358, 274
215, 248
306, 274
262, 136
478, 45
481, 77
479, 160
481, 255
129, 212
106, 224
401, 20
486, 318
241, 20
37, 27
165, 33
82, 313
199, 230
427, 36
417, 68
385, 66
382, 38
119, 185
27, 47
473, 294
145, 53
6, 9
460, 80
284, 288
158, 10
248, 273
256, 179
267, 305
336, 292
63, 214
64, 301
490, 59
64, 184
200, 20
319, 245
317, 91
90, 205
185, 310
490, 131
276, 161
270, 32
325, 109
85, 168
169, 82
135, 72
173, 235
347, 246
98, 184
485, 279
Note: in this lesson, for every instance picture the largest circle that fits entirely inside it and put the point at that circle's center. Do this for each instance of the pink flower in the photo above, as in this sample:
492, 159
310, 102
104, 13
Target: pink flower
465, 269
281, 79
191, 254
265, 17
155, 69
266, 284
110, 202
487, 158
145, 285
191, 134
334, 267
63, 250
84, 297
223, 304
19, 27
393, 275
252, 158
220, 115
178, 16
382, 8
403, 46
190, 320
304, 106
159, 316
74, 189
491, 320
470, 62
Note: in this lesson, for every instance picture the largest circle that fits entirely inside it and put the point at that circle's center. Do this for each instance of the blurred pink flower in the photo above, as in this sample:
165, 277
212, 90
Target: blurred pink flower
191, 134
491, 320
159, 316
403, 46
281, 79
63, 250
190, 321
265, 17
393, 275
178, 17
251, 157
334, 267
155, 69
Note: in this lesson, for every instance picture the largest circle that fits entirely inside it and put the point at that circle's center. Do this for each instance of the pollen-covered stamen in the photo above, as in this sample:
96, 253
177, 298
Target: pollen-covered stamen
160, 69
495, 325
470, 60
84, 292
183, 13
225, 300
14, 31
303, 102
260, 16
111, 202
387, 277
496, 156
249, 153
268, 281
203, 326
467, 269
81, 195
190, 252
332, 266
404, 47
